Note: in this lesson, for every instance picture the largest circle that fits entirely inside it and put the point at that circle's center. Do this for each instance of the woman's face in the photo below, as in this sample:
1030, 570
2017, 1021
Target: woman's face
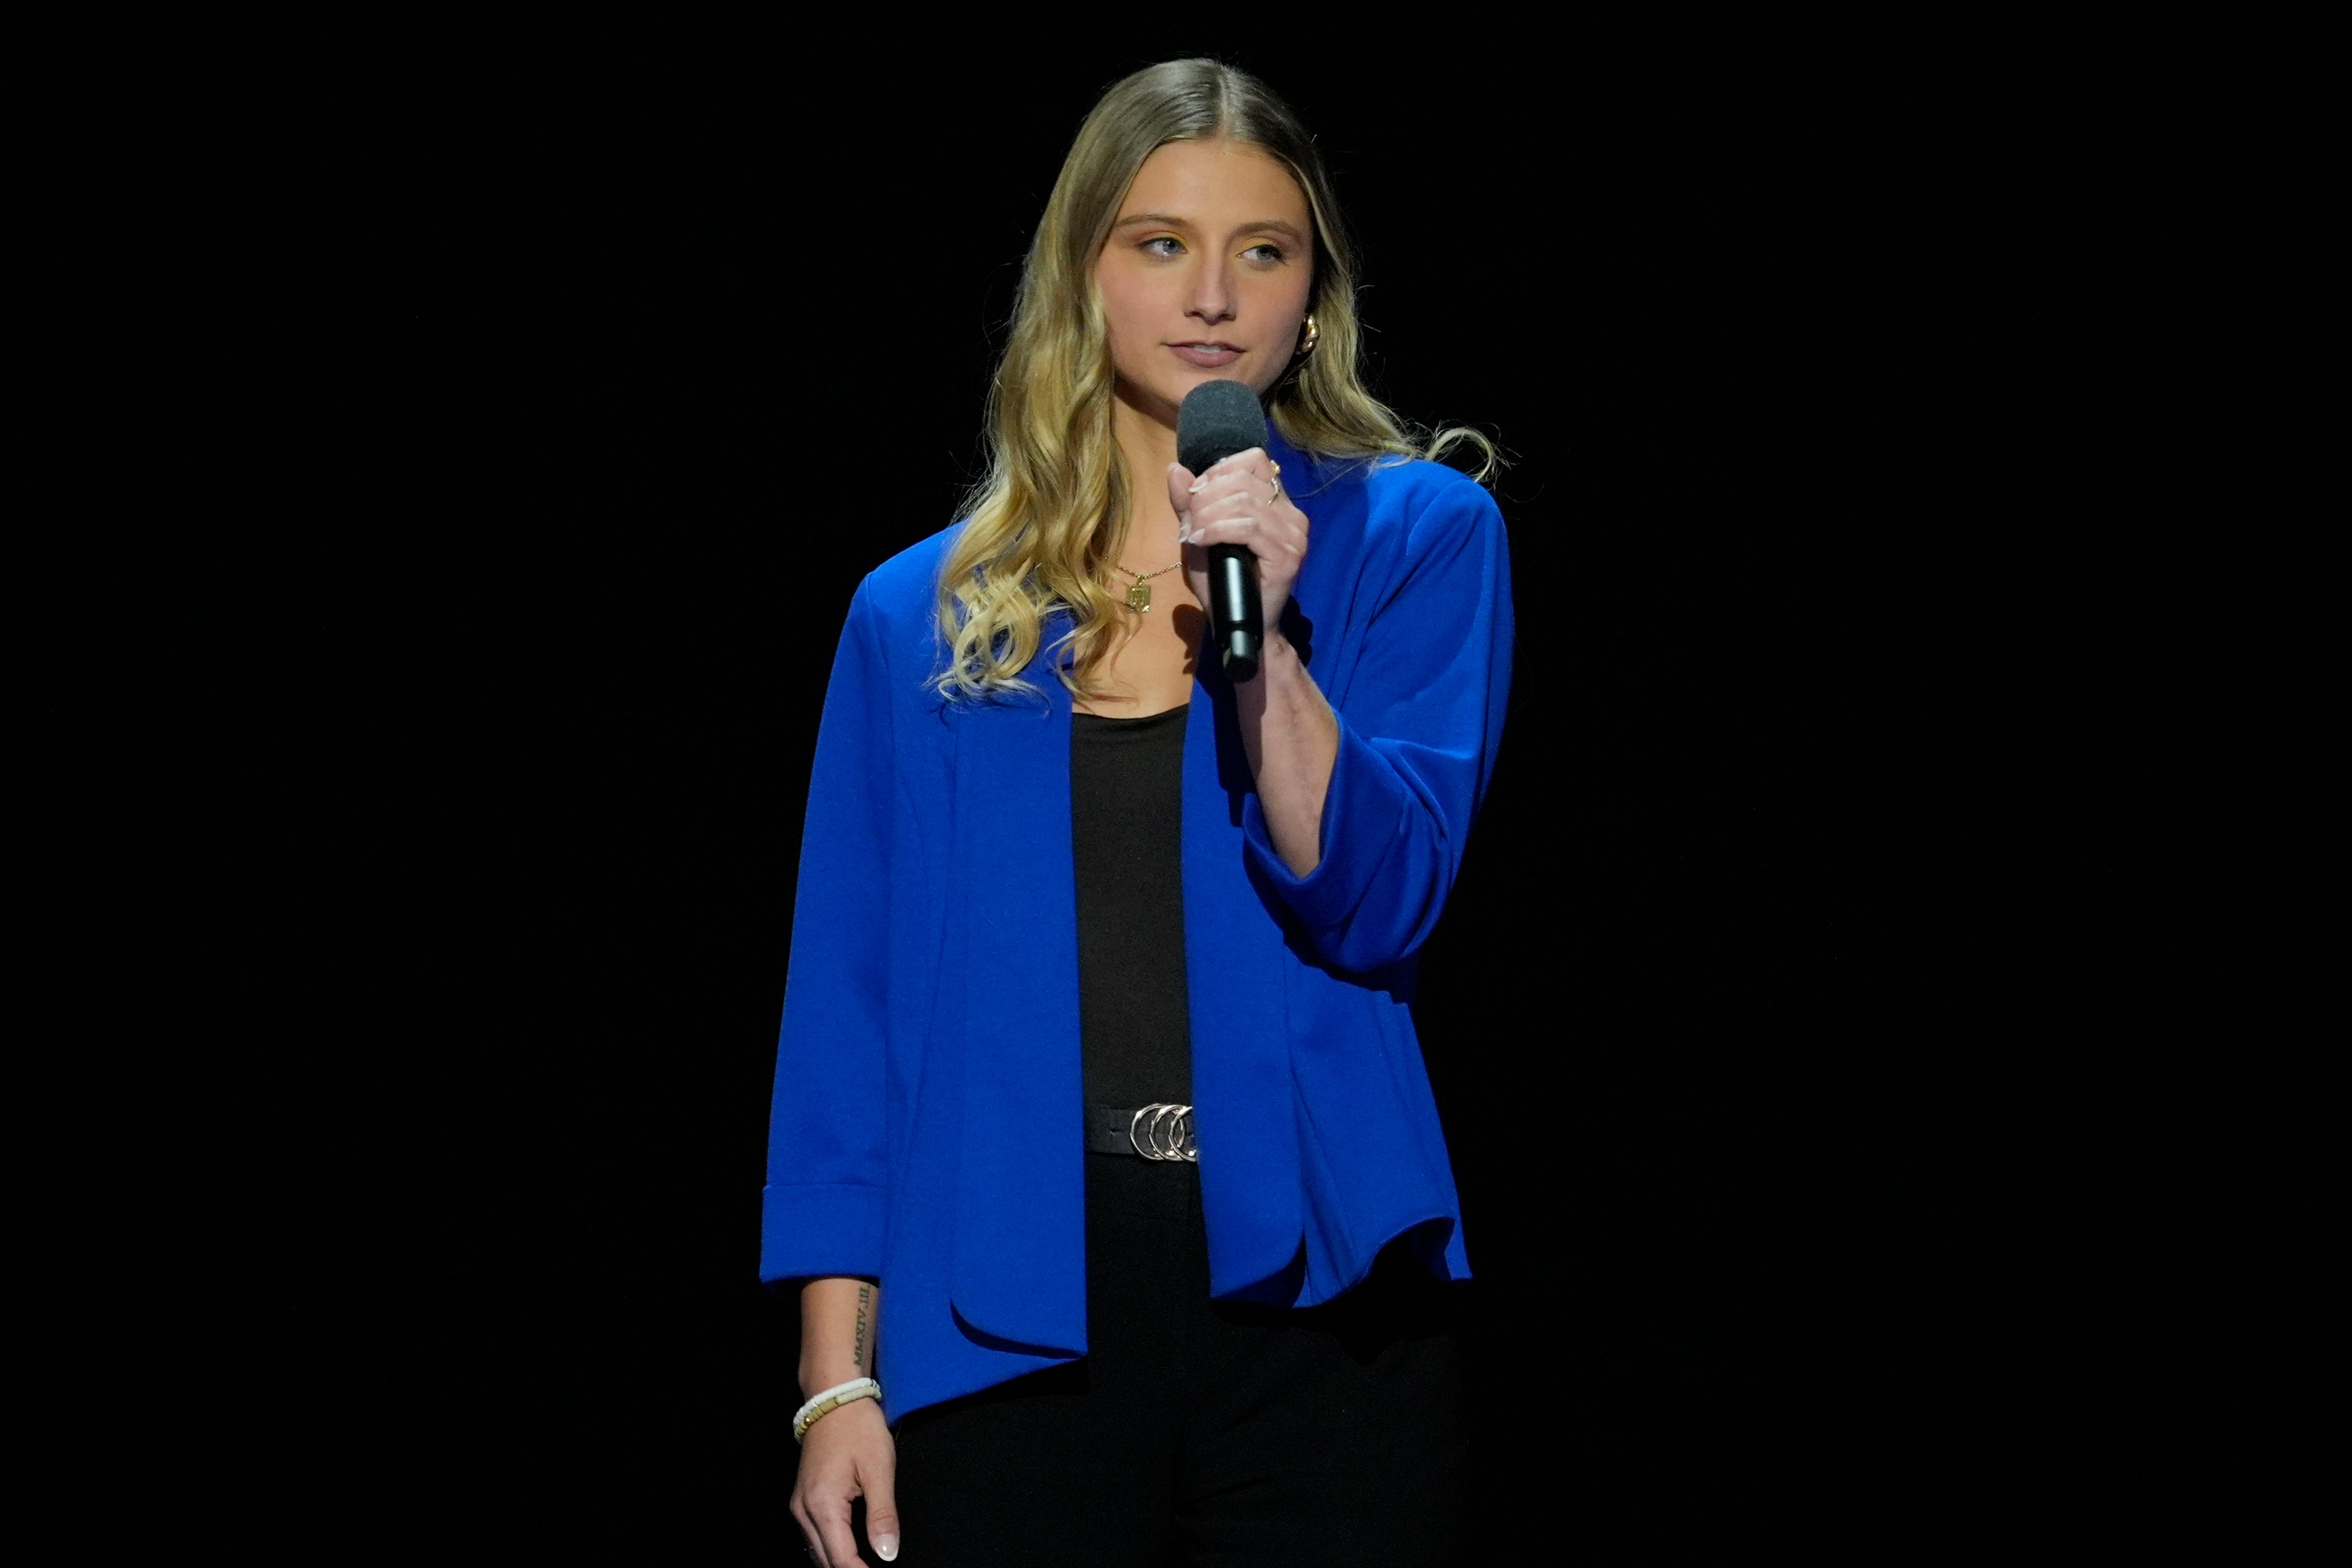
1206, 274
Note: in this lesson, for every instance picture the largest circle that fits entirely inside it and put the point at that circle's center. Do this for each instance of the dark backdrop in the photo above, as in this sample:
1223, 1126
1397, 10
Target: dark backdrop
666, 353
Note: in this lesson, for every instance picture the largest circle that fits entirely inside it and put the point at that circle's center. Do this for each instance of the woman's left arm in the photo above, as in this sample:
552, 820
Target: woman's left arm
1361, 816
1290, 730
1293, 738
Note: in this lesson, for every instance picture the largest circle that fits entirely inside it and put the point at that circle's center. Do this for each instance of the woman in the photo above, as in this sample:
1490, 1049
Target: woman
1101, 1134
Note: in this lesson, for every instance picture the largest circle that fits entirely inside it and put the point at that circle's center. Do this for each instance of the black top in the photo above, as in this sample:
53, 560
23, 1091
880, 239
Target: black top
1127, 830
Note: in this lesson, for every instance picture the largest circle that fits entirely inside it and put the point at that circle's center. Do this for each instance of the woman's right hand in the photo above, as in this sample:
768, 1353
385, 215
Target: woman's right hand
848, 1453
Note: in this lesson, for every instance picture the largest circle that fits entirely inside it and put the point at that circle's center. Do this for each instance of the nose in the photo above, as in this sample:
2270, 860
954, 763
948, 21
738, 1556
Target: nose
1213, 294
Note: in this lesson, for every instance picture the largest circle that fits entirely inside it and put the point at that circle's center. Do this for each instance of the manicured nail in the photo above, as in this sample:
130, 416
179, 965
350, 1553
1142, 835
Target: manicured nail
886, 1547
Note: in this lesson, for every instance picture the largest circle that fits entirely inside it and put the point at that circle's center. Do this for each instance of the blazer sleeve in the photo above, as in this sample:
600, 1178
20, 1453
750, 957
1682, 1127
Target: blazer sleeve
1418, 733
824, 1209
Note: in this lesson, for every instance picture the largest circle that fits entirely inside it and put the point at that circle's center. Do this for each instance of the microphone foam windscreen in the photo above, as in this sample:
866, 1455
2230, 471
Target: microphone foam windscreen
1216, 419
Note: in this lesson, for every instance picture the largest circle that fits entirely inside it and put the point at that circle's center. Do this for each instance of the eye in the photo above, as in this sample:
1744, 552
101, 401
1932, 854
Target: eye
1175, 246
1265, 251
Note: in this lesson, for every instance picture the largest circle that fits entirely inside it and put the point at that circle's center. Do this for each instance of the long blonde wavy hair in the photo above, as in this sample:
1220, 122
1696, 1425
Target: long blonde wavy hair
1050, 517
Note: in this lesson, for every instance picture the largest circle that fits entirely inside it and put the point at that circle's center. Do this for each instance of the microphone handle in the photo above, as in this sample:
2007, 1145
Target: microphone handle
1235, 615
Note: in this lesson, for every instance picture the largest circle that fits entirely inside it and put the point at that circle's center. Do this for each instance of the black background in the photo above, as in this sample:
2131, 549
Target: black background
662, 353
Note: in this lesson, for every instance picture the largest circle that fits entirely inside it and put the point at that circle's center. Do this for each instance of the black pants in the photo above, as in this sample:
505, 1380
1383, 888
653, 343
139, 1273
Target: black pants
1203, 1433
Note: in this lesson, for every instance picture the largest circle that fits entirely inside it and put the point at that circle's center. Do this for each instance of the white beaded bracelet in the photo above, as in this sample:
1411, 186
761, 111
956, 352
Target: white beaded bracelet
833, 1399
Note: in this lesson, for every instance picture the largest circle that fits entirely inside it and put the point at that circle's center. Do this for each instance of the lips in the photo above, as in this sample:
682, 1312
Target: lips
1207, 355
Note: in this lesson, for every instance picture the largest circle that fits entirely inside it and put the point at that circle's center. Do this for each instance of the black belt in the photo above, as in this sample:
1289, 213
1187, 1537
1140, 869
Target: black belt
1155, 1131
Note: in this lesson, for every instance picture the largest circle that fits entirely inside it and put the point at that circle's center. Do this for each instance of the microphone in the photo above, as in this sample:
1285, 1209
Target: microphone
1216, 419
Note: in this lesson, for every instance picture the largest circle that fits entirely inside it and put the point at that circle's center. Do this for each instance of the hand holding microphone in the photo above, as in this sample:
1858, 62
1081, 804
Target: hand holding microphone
1230, 505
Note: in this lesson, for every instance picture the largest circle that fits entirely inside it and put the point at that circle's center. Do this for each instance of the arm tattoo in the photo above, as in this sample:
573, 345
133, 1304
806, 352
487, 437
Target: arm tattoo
857, 1348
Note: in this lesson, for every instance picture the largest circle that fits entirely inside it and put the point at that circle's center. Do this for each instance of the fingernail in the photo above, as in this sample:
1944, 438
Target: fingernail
1198, 483
886, 1547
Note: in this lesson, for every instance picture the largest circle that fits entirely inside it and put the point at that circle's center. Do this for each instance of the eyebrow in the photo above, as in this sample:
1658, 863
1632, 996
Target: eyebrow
1169, 220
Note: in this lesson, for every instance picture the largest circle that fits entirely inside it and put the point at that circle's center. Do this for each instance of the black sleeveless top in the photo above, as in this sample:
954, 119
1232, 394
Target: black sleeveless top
1126, 794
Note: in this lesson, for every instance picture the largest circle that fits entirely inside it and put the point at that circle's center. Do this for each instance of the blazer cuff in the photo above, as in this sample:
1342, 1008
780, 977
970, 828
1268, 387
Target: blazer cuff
815, 1230
1364, 818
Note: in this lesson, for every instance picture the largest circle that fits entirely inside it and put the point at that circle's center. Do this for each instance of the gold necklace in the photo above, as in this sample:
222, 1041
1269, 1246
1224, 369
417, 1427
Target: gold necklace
1139, 593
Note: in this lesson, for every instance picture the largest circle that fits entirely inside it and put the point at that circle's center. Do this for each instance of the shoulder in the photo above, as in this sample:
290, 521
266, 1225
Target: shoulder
899, 599
1413, 508
1419, 493
891, 630
908, 583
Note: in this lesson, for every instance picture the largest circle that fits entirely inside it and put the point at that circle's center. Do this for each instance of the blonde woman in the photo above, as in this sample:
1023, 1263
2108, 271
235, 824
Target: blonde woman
1103, 1157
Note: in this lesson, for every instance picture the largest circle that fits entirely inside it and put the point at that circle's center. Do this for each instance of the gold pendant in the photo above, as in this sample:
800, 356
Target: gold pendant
1138, 596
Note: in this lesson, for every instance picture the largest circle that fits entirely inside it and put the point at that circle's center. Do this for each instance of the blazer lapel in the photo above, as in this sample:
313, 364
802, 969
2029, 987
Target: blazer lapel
1019, 1279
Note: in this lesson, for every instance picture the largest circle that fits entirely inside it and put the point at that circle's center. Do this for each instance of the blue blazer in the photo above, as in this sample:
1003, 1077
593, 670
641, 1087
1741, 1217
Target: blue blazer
928, 1128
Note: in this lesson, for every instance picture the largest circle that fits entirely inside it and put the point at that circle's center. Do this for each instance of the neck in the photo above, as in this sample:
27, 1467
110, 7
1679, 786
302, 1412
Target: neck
1146, 445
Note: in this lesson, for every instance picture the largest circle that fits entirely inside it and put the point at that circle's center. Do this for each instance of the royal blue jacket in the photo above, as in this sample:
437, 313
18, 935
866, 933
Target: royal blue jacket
927, 1129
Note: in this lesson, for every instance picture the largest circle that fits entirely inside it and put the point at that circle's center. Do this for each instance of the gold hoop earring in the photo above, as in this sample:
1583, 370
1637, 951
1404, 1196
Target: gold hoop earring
1314, 334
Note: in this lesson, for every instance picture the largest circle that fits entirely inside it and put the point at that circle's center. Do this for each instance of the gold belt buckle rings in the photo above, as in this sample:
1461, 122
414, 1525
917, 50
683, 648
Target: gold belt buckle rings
1163, 1132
